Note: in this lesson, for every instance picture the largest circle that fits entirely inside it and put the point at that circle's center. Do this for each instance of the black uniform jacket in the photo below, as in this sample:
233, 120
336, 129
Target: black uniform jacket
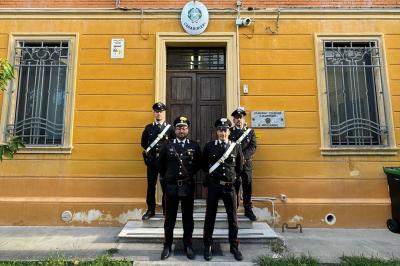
248, 144
176, 162
150, 133
226, 171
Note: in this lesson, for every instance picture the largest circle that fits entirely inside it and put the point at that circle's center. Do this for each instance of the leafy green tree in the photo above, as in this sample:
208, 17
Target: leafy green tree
15, 142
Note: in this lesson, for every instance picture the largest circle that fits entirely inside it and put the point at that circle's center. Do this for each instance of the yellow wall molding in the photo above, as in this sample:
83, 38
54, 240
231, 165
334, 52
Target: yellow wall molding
154, 14
218, 39
385, 109
9, 99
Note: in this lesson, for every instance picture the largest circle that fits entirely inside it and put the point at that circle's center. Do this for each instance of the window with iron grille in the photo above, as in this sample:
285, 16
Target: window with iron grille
354, 90
38, 99
196, 58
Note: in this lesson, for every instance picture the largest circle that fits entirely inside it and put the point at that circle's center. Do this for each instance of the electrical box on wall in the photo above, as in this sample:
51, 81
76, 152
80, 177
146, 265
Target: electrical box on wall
245, 88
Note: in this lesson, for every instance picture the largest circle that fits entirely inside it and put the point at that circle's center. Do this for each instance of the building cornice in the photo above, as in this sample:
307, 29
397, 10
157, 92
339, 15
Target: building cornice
285, 9
148, 13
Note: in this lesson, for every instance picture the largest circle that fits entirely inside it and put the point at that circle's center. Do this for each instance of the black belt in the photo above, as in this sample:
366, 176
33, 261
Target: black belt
180, 182
223, 183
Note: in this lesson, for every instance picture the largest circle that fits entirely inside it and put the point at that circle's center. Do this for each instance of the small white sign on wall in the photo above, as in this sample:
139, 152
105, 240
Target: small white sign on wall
268, 119
117, 48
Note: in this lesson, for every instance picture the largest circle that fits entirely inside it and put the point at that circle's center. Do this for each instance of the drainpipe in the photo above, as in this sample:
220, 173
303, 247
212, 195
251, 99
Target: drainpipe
238, 5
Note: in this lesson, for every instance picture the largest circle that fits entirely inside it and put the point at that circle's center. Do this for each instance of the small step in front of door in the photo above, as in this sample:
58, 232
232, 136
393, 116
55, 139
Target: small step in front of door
221, 221
154, 227
135, 230
200, 207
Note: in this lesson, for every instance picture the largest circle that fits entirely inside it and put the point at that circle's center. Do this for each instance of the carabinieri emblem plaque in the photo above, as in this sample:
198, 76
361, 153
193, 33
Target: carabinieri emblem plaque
194, 17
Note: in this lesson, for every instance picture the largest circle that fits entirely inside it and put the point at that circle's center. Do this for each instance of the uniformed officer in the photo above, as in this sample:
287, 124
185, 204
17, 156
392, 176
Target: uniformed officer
179, 160
223, 161
247, 138
153, 136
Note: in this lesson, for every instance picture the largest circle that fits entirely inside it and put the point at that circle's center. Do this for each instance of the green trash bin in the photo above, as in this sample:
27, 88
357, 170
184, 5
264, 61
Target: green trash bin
393, 177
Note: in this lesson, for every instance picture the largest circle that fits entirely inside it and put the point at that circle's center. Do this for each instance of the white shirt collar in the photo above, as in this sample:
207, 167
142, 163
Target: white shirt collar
244, 127
181, 141
241, 128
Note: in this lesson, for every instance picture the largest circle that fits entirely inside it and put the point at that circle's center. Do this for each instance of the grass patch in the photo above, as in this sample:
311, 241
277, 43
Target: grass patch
288, 261
310, 261
61, 261
278, 246
362, 261
112, 251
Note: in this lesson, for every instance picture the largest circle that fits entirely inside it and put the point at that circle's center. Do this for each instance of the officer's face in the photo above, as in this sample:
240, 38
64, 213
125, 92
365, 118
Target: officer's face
182, 132
239, 121
159, 115
223, 134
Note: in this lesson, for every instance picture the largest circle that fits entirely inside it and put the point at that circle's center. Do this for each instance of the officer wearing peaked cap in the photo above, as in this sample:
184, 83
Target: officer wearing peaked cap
223, 161
179, 160
247, 138
153, 136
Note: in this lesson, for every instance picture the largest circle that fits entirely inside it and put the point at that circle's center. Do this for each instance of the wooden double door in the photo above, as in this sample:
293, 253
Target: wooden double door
201, 96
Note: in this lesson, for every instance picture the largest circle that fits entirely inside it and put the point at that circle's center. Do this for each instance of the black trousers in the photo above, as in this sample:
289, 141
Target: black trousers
171, 210
228, 196
152, 175
247, 188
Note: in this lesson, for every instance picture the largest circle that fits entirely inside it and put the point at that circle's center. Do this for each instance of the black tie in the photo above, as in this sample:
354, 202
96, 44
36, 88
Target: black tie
159, 125
223, 145
183, 144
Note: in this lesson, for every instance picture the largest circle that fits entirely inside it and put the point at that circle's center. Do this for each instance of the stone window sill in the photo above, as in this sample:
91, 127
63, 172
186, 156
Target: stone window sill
389, 151
45, 150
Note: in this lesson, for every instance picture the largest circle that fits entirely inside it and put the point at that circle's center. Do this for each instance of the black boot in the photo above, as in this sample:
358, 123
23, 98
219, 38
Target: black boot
148, 215
190, 252
165, 253
236, 253
207, 253
248, 212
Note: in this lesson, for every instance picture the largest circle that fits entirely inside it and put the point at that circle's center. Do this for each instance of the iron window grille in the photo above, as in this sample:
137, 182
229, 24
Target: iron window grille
42, 76
353, 74
196, 59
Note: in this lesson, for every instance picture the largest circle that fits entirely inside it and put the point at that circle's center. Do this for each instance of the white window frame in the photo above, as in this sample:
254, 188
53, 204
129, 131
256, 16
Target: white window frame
386, 107
9, 97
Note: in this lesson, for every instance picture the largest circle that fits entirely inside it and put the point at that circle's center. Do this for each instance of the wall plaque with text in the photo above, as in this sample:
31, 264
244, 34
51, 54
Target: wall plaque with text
268, 119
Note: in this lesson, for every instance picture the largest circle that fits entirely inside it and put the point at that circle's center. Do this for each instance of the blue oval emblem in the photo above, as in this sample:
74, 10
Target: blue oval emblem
194, 14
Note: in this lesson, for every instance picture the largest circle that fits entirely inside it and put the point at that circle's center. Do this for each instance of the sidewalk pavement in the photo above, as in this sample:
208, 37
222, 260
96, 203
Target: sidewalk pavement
85, 243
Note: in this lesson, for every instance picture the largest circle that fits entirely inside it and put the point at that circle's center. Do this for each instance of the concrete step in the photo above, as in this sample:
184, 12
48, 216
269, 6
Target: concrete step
200, 206
221, 221
191, 263
135, 229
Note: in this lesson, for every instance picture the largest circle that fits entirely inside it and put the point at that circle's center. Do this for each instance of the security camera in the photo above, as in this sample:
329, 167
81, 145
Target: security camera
246, 21
243, 22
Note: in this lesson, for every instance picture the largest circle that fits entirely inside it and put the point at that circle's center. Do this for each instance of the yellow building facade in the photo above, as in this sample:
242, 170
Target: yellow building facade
98, 174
